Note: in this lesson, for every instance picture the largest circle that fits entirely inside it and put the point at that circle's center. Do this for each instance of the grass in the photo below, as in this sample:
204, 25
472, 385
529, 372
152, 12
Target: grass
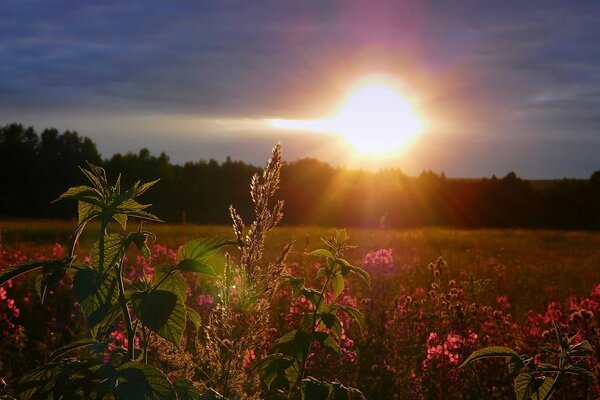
528, 265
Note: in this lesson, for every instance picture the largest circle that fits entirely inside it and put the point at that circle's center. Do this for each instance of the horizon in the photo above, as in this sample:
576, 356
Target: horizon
512, 87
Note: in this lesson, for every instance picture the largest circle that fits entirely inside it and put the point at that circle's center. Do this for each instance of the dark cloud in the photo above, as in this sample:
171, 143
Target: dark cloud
523, 76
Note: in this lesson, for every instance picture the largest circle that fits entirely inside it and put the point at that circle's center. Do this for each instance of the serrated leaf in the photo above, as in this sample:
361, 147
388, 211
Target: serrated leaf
322, 253
581, 370
12, 272
313, 389
493, 351
70, 347
337, 284
87, 211
529, 387
200, 267
332, 322
201, 249
354, 313
162, 312
185, 390
77, 192
171, 281
328, 342
121, 219
115, 247
193, 317
98, 294
138, 381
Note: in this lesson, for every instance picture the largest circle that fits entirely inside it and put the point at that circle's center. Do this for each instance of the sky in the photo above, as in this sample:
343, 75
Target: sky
501, 85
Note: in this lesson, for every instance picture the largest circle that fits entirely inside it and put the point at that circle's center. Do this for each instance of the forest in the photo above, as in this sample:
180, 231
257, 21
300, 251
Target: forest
36, 167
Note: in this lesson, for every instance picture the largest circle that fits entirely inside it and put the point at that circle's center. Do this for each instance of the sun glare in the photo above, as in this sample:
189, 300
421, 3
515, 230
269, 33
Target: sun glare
374, 118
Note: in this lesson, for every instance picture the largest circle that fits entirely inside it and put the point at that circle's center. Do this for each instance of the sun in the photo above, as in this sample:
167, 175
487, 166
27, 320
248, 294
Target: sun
374, 118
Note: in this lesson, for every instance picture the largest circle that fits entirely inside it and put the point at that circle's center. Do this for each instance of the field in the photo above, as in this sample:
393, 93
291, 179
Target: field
523, 280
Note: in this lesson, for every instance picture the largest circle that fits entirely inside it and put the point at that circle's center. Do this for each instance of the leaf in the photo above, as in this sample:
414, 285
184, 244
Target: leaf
115, 247
86, 211
143, 187
185, 390
274, 367
580, 369
313, 389
171, 281
141, 381
189, 265
328, 342
193, 317
12, 272
341, 392
357, 315
164, 313
529, 387
78, 192
331, 321
322, 253
49, 278
337, 283
98, 294
312, 295
581, 349
121, 219
70, 347
201, 249
487, 352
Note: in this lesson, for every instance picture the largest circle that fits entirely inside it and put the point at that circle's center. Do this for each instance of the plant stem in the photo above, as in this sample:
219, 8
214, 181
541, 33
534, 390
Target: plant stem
314, 327
125, 310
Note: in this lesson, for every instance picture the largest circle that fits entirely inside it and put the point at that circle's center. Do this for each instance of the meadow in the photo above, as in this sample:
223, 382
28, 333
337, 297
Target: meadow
523, 280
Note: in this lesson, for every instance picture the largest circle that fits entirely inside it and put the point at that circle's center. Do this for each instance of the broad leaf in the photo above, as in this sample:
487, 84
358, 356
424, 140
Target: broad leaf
357, 315
322, 253
201, 249
70, 347
164, 313
14, 271
529, 387
171, 281
337, 283
98, 294
487, 352
115, 247
138, 381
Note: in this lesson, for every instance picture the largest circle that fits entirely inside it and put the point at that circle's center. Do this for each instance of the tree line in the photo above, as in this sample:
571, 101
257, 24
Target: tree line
36, 168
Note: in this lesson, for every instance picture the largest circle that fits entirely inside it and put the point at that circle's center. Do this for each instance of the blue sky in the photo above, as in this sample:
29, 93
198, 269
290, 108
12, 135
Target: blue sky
509, 85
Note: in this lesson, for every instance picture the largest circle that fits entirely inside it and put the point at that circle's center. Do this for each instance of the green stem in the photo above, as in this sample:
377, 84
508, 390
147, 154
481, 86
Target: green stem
314, 327
126, 315
101, 245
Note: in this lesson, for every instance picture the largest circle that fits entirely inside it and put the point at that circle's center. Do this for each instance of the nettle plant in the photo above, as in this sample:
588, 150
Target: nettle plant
541, 380
284, 371
155, 305
153, 311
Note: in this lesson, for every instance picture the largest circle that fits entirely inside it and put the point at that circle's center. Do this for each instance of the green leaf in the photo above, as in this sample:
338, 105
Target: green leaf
12, 272
337, 283
312, 389
193, 317
98, 294
49, 279
78, 192
328, 342
138, 381
70, 347
581, 349
115, 247
201, 249
312, 295
341, 392
354, 313
121, 219
322, 253
171, 281
295, 282
487, 352
529, 387
189, 265
164, 313
331, 321
185, 390
580, 369
275, 367
86, 211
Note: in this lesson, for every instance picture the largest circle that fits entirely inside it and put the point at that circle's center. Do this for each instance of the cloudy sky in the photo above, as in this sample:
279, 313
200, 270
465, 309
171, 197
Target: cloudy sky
501, 85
